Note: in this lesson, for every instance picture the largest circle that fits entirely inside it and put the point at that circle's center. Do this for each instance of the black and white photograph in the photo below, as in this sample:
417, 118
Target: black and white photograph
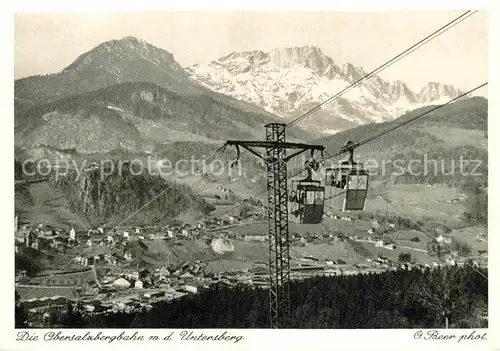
234, 170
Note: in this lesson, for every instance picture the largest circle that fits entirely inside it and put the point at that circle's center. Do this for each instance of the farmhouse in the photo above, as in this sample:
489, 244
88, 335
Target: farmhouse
256, 237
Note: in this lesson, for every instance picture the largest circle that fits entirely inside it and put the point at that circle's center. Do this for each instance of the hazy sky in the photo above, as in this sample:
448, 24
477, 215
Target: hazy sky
46, 43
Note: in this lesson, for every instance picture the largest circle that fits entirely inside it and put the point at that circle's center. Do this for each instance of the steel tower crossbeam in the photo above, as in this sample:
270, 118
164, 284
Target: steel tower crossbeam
276, 160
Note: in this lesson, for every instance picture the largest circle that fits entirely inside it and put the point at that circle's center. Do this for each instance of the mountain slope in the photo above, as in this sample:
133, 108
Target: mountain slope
456, 131
113, 62
290, 81
136, 117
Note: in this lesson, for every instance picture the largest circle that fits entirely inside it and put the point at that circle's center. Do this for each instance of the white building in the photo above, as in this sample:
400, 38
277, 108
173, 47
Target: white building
121, 283
126, 234
255, 237
443, 239
450, 261
190, 288
72, 234
138, 284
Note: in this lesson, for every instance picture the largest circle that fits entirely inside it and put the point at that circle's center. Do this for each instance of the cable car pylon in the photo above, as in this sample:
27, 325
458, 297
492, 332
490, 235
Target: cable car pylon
276, 159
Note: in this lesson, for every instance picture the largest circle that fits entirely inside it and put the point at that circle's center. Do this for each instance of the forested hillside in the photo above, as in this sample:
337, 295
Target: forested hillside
116, 196
136, 117
464, 114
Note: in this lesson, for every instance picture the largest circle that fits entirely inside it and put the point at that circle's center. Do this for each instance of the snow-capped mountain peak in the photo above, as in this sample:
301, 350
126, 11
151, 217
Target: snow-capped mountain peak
289, 81
434, 92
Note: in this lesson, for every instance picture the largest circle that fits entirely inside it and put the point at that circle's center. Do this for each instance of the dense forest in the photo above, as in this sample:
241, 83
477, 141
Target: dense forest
453, 296
103, 194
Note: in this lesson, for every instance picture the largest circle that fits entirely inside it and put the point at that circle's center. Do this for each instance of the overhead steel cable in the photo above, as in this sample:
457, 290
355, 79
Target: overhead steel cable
358, 144
381, 134
387, 64
166, 189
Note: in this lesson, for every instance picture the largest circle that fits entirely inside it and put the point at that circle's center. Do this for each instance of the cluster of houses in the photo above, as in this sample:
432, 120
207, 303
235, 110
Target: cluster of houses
460, 198
334, 216
123, 289
187, 277
43, 237
225, 194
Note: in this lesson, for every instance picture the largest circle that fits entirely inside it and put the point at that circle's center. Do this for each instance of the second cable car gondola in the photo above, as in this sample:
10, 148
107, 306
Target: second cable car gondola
306, 200
346, 186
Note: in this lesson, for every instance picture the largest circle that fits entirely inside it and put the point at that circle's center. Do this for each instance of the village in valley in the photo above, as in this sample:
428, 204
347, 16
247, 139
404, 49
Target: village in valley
128, 269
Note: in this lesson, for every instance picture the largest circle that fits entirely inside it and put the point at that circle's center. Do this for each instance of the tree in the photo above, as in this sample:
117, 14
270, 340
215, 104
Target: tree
462, 248
20, 315
444, 294
404, 257
476, 204
244, 210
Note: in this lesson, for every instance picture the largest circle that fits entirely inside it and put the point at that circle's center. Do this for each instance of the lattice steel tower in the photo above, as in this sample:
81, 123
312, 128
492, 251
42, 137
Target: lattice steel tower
279, 248
277, 200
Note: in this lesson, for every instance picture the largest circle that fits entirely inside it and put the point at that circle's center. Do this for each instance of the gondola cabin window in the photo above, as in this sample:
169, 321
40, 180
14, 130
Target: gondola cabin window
319, 197
306, 201
358, 182
311, 198
314, 197
346, 187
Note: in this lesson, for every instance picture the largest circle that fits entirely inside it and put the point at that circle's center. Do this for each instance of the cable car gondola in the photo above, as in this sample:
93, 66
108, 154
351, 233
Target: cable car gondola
307, 199
346, 186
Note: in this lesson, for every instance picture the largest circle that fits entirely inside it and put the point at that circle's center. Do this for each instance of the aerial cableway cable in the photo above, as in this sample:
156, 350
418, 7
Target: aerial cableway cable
363, 142
330, 156
387, 64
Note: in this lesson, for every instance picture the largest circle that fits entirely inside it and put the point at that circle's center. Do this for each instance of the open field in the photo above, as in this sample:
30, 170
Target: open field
417, 201
393, 255
471, 236
43, 203
459, 136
